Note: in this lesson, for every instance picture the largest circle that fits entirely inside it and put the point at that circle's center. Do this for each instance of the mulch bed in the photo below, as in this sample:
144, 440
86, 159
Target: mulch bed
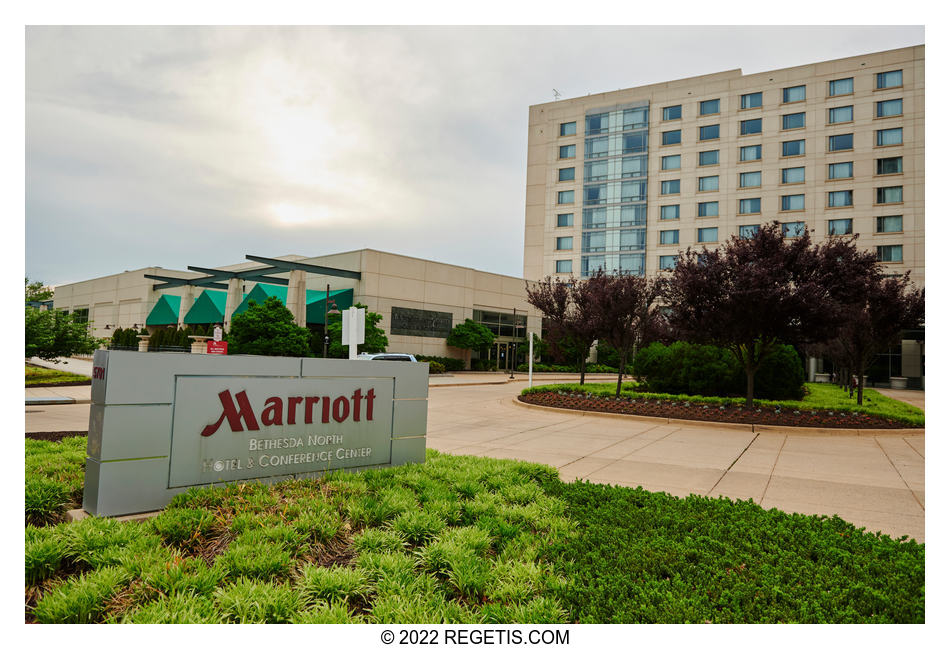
709, 412
59, 384
57, 435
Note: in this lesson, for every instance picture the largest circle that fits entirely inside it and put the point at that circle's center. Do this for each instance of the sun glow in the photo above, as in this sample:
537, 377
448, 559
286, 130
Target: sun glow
291, 214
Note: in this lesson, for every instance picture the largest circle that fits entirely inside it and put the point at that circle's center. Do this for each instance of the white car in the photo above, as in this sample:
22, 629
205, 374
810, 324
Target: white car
387, 357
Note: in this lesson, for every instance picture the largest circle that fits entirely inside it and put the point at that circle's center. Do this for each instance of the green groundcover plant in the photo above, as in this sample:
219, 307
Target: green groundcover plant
42, 375
461, 540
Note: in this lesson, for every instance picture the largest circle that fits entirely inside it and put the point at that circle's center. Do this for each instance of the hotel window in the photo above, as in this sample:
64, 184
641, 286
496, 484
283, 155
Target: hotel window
633, 190
636, 118
748, 231
565, 197
633, 215
565, 220
752, 100
890, 79
597, 124
889, 224
796, 93
710, 132
837, 227
669, 237
633, 166
747, 153
567, 151
569, 128
594, 217
841, 114
670, 162
750, 179
596, 170
793, 148
890, 253
671, 137
635, 142
81, 315
563, 266
591, 264
841, 87
667, 262
890, 136
565, 174
565, 243
793, 175
750, 206
707, 235
793, 203
844, 142
708, 184
631, 264
595, 147
710, 208
750, 126
844, 198
669, 212
793, 120
793, 229
890, 195
890, 166
594, 242
595, 194
635, 239
670, 187
708, 158
890, 108
709, 107
672, 112
840, 170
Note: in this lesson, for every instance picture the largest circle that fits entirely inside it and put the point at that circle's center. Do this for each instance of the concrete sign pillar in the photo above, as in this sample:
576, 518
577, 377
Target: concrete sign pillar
235, 297
187, 300
297, 296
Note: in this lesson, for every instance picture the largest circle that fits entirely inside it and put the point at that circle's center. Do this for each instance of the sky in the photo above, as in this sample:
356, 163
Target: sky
177, 146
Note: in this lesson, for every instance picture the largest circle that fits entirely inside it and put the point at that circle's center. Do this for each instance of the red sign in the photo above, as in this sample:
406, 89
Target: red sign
217, 347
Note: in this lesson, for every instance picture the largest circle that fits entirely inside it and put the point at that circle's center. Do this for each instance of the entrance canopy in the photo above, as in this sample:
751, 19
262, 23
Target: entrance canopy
343, 299
208, 308
165, 311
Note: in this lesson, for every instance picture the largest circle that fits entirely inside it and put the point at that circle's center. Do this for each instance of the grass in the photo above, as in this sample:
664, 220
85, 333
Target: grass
54, 478
42, 376
463, 540
819, 396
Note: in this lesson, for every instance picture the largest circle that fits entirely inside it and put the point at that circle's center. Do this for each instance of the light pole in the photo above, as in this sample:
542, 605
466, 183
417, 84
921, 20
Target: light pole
514, 332
327, 312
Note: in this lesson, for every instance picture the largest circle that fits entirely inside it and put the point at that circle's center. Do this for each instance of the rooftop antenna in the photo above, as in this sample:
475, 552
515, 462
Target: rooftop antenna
557, 95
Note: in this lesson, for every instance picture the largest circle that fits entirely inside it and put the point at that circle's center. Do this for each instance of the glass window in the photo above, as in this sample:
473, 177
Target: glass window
569, 128
633, 190
591, 264
890, 224
710, 208
667, 262
635, 118
748, 231
595, 170
750, 126
633, 166
631, 264
595, 147
635, 142
669, 236
841, 87
890, 165
565, 174
634, 239
844, 198
890, 108
840, 170
890, 194
752, 100
841, 114
633, 215
672, 112
709, 107
669, 212
794, 147
707, 235
793, 175
566, 151
565, 220
890, 253
708, 183
753, 152
793, 229
794, 120
793, 202
593, 242
565, 243
670, 187
81, 315
595, 217
595, 194
710, 132
597, 123
671, 137
750, 206
750, 179
844, 142
839, 227
670, 162
565, 197
889, 136
708, 158
890, 79
563, 266
796, 93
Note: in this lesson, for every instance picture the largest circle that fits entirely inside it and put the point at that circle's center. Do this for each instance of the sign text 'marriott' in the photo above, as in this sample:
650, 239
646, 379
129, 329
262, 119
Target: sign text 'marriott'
242, 415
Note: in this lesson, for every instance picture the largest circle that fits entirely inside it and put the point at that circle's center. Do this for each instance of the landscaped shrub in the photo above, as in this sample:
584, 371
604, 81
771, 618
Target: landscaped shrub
450, 364
593, 368
436, 367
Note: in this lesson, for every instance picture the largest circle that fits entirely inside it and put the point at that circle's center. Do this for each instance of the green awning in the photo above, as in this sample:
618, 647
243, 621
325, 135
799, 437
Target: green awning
260, 293
208, 308
316, 307
165, 311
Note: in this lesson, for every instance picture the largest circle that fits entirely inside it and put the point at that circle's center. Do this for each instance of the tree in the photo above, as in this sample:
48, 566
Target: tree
54, 334
268, 329
375, 340
470, 335
37, 291
566, 307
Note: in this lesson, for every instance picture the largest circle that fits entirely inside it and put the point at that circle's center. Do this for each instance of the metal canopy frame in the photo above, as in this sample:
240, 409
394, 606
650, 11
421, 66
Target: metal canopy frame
284, 266
260, 275
172, 282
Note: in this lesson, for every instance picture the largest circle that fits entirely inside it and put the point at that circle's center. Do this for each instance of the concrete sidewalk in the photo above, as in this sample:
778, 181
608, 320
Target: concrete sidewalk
74, 365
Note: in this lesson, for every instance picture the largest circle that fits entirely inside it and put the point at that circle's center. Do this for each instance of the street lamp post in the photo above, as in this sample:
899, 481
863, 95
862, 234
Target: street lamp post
514, 331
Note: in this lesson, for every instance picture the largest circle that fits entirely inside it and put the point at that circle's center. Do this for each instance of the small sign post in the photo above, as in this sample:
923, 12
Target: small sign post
217, 347
354, 329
